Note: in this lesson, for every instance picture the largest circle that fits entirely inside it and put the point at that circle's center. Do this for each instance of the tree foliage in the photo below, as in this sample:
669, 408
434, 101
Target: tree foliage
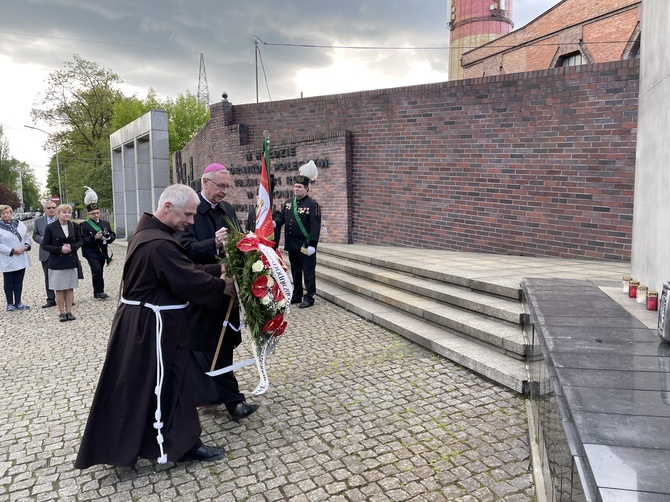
84, 103
7, 174
186, 115
17, 176
79, 102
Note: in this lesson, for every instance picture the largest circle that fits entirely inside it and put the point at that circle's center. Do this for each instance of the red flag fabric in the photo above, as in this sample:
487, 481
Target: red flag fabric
264, 226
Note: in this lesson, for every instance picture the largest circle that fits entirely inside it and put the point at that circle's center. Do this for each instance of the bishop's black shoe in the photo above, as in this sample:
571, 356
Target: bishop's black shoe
305, 304
203, 453
295, 300
243, 410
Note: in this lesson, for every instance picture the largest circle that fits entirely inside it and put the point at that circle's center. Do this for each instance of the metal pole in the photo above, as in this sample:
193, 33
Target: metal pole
60, 187
256, 61
23, 205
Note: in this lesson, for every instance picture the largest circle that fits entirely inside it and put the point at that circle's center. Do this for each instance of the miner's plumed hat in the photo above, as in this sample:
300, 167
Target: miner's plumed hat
212, 168
307, 172
90, 199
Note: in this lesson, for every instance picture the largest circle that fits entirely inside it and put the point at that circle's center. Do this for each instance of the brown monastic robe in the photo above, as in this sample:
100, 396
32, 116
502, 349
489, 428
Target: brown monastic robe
120, 424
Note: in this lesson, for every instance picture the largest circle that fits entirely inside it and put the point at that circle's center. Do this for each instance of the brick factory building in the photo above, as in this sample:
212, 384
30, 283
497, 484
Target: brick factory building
571, 33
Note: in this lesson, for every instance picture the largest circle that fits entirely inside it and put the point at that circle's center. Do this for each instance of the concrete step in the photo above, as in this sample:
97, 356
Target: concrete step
476, 356
430, 265
504, 309
504, 336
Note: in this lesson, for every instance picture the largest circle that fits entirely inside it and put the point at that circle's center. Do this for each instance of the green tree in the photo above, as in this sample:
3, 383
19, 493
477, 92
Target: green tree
79, 102
28, 182
15, 174
7, 173
186, 116
51, 186
84, 104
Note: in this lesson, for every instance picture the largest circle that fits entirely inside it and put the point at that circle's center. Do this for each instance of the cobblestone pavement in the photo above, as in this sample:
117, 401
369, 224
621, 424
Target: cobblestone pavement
354, 412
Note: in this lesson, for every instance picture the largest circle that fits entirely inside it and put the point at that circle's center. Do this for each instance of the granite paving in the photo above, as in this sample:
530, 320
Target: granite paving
354, 412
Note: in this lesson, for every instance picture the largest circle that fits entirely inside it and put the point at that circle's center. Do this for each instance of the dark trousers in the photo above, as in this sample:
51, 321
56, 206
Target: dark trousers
13, 283
219, 389
303, 265
50, 292
97, 264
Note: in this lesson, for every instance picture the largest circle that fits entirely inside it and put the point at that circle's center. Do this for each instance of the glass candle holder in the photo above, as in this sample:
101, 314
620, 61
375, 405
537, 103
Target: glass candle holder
641, 296
632, 289
652, 300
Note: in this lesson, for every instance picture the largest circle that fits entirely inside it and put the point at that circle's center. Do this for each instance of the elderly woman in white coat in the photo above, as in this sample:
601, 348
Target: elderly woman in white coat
14, 259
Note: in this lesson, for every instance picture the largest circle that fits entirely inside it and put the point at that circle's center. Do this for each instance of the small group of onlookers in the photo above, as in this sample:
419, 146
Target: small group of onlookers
59, 238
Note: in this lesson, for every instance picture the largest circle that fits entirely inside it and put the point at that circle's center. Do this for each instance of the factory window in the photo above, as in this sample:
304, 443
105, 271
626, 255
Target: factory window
571, 59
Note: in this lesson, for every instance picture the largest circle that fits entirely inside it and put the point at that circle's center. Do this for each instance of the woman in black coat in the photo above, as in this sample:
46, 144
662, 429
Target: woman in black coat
62, 239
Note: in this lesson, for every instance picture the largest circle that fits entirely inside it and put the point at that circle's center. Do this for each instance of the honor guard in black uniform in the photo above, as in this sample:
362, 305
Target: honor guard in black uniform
301, 218
96, 235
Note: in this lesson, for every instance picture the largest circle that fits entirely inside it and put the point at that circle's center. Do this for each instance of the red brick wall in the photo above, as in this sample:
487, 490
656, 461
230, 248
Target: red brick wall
540, 163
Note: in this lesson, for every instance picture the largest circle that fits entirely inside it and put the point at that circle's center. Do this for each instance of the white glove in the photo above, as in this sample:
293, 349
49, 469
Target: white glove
274, 224
310, 250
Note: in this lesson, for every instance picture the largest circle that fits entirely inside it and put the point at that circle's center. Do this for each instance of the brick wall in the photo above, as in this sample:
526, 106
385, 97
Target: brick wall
539, 163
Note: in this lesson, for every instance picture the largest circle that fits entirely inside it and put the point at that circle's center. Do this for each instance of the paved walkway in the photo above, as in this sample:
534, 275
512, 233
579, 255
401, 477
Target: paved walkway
354, 412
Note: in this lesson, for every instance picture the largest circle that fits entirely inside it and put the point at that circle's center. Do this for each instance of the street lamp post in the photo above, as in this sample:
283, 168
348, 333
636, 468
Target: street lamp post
60, 188
23, 205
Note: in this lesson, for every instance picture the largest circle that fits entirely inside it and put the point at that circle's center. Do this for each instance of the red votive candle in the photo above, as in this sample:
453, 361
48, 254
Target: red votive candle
632, 289
652, 300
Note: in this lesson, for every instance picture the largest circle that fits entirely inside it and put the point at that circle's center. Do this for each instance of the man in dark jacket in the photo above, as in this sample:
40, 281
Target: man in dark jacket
97, 234
203, 241
301, 218
38, 235
131, 414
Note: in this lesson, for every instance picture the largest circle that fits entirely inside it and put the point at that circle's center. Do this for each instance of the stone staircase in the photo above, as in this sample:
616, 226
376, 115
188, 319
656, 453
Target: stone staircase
475, 322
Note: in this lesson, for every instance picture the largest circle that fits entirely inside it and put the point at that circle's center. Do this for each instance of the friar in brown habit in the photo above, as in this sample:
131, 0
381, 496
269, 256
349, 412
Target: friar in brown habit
143, 405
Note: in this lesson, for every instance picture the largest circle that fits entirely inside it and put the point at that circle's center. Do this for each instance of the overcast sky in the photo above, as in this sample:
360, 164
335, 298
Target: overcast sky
157, 43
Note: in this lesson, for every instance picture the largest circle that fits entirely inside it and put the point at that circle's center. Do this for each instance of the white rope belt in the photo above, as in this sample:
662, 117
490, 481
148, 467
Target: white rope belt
160, 369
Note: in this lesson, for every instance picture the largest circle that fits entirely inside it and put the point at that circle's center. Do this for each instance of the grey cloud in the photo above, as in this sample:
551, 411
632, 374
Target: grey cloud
156, 43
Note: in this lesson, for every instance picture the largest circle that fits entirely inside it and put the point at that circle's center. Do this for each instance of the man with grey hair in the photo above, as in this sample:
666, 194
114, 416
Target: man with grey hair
203, 241
143, 405
38, 235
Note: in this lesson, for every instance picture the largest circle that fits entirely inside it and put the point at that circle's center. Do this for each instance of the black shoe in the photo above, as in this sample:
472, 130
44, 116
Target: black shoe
305, 304
49, 304
62, 317
295, 300
203, 453
101, 296
243, 410
70, 317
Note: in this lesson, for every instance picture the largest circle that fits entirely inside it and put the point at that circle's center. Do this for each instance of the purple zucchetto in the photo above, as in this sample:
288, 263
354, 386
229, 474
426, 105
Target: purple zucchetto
212, 168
